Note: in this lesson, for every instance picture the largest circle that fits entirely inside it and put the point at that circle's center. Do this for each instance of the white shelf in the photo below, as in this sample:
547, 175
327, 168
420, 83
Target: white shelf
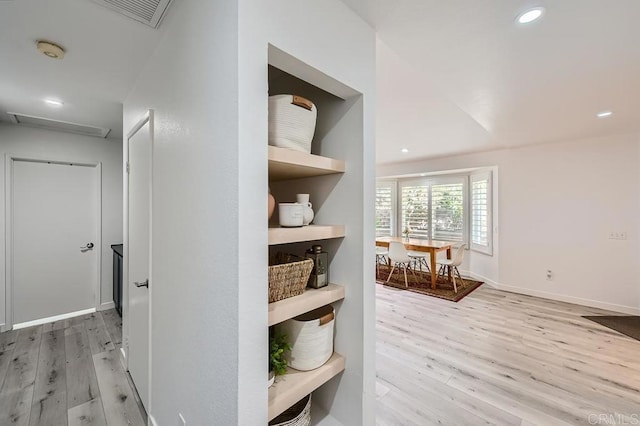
295, 385
290, 164
311, 299
305, 233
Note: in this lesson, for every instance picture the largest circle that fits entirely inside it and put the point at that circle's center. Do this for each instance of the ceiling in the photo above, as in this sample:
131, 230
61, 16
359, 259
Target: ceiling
454, 76
462, 76
105, 53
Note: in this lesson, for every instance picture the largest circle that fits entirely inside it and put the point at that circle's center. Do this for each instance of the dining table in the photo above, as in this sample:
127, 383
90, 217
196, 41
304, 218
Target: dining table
417, 244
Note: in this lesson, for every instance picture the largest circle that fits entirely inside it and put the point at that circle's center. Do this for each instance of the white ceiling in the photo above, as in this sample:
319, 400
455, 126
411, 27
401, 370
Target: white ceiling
461, 76
105, 54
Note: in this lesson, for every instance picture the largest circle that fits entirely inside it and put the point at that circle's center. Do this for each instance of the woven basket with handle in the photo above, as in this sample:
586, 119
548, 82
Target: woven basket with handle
288, 276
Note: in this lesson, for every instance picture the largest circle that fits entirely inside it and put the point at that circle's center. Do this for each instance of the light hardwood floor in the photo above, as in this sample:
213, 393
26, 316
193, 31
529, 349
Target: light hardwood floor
66, 373
499, 358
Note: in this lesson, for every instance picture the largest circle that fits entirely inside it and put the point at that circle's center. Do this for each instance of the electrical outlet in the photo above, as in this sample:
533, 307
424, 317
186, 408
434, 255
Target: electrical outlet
549, 275
617, 235
181, 420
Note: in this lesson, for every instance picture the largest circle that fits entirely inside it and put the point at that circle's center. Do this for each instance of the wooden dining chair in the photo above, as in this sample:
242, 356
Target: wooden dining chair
453, 263
399, 258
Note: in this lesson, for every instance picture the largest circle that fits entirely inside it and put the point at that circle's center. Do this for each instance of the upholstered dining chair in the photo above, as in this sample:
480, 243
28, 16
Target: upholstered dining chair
399, 258
453, 264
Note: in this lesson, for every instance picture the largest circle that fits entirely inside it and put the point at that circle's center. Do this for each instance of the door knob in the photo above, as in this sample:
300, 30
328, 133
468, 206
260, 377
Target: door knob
87, 247
144, 283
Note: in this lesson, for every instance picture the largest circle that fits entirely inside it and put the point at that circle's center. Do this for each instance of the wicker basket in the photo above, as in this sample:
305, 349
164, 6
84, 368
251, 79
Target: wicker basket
298, 415
288, 276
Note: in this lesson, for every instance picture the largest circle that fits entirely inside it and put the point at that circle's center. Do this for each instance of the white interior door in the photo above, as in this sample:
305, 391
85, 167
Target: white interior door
139, 258
54, 215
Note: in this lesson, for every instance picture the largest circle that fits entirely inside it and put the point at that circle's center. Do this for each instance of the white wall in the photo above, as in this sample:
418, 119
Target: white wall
191, 84
65, 146
557, 204
331, 39
207, 86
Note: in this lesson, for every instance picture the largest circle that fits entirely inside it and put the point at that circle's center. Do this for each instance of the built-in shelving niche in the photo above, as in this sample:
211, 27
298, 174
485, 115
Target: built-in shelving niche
337, 197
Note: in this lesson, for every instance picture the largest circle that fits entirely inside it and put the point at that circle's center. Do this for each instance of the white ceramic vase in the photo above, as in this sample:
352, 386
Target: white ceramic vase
307, 210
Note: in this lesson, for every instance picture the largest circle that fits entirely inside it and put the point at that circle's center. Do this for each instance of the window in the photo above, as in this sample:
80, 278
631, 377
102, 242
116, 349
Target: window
385, 196
481, 213
415, 210
434, 208
448, 211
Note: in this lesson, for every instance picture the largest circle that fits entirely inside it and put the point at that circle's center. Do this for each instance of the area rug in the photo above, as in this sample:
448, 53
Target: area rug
627, 325
421, 283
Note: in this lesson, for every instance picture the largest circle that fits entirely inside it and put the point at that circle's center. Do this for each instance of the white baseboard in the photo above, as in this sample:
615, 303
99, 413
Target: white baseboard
106, 306
475, 276
630, 310
152, 421
53, 318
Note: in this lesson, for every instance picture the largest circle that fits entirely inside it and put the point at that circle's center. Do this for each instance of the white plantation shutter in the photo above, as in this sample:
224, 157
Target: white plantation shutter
385, 200
481, 203
447, 206
415, 209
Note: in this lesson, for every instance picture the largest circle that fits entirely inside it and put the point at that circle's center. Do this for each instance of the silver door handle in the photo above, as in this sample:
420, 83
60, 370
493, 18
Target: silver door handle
87, 247
144, 283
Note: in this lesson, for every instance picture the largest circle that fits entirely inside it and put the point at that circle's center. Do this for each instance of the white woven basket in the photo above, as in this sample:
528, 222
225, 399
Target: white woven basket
291, 417
311, 338
292, 122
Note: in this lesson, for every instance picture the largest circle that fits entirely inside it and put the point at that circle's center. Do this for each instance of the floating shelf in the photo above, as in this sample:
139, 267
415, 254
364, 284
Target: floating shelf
295, 385
290, 164
311, 299
305, 233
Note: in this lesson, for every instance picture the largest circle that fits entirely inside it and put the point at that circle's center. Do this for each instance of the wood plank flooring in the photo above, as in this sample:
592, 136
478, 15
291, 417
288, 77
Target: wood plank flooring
67, 373
499, 358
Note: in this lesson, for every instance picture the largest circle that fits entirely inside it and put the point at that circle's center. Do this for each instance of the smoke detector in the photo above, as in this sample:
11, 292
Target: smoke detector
50, 49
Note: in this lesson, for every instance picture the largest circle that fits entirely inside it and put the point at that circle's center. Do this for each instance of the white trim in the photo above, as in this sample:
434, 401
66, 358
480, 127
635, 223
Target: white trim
53, 318
8, 226
98, 243
106, 306
152, 421
630, 310
475, 276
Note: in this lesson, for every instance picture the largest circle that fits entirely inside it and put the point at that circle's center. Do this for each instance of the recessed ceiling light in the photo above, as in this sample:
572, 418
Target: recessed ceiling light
530, 15
53, 102
404, 150
604, 114
50, 49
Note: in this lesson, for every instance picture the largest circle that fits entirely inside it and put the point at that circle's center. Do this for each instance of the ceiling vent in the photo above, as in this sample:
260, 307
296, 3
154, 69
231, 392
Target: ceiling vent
148, 12
61, 126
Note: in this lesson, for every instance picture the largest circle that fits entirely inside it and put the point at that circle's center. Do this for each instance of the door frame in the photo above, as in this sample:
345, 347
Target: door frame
146, 118
10, 159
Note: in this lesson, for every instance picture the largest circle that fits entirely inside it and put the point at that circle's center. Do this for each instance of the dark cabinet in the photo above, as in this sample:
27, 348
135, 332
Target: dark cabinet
117, 276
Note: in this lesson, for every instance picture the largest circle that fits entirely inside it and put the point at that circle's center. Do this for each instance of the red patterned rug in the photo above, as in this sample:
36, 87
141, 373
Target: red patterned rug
421, 283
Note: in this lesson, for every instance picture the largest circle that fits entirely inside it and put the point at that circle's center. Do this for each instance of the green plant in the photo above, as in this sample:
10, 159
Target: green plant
278, 346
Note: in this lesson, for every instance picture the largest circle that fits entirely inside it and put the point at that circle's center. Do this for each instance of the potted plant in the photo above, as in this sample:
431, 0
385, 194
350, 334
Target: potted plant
278, 346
